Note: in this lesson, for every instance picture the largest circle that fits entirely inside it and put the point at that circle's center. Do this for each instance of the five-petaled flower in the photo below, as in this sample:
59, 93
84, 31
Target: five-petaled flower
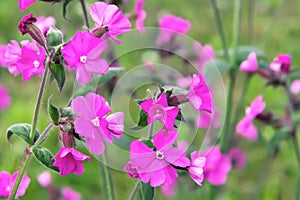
83, 53
200, 95
92, 123
109, 19
69, 160
7, 183
159, 110
157, 166
245, 127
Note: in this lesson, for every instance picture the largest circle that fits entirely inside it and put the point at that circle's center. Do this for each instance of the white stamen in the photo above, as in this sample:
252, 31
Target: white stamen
36, 63
96, 122
83, 59
159, 155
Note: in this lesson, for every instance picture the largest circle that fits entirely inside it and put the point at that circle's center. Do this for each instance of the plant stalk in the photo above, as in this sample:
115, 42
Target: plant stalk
108, 179
134, 190
86, 18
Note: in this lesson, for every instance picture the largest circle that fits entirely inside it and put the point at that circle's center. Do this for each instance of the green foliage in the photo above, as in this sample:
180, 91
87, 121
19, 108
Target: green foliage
148, 192
53, 112
23, 131
142, 121
44, 156
58, 71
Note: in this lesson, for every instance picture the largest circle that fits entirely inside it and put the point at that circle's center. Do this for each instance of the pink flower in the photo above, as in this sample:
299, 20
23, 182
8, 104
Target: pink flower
281, 64
169, 190
184, 82
31, 63
217, 167
83, 53
70, 194
170, 26
24, 4
159, 110
251, 64
68, 160
4, 98
132, 171
205, 119
200, 95
2, 56
44, 179
295, 87
157, 166
245, 127
93, 124
7, 183
27, 19
238, 157
196, 168
204, 54
44, 23
141, 15
110, 18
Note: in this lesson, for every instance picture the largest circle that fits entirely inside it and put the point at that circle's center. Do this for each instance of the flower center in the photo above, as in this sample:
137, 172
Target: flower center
36, 63
159, 155
248, 110
96, 122
83, 59
8, 188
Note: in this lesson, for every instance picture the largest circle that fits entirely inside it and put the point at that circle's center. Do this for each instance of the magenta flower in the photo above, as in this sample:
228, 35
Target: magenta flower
2, 56
200, 95
24, 4
7, 183
141, 15
245, 127
170, 26
281, 64
68, 160
205, 119
295, 87
196, 168
70, 194
204, 54
110, 18
159, 110
27, 19
44, 179
93, 124
156, 165
31, 63
169, 190
4, 98
238, 157
83, 53
251, 64
184, 82
44, 23
217, 167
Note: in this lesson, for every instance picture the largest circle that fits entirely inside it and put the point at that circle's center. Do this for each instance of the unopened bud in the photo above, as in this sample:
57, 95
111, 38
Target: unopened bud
54, 37
99, 32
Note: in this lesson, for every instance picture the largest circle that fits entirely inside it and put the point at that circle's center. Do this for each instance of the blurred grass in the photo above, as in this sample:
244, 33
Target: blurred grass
263, 178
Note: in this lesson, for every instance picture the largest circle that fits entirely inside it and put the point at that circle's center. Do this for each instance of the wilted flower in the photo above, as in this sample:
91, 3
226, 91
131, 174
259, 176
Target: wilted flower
7, 183
245, 127
281, 64
93, 124
156, 166
69, 160
251, 64
159, 110
83, 53
109, 20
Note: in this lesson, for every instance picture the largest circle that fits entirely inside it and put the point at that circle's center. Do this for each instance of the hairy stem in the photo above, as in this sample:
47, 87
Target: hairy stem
44, 135
108, 179
86, 18
220, 27
134, 190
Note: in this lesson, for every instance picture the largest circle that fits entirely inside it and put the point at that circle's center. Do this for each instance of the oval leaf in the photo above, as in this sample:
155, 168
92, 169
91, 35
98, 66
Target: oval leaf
53, 112
44, 156
148, 192
59, 74
23, 131
142, 121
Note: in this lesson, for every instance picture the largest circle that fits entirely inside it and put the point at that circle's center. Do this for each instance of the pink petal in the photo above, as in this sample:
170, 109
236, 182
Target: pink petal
24, 4
177, 157
157, 178
23, 185
163, 140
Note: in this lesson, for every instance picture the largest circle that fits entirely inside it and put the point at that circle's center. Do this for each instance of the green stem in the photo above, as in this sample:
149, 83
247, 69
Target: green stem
151, 129
38, 101
44, 135
24, 164
86, 18
108, 180
134, 190
296, 149
236, 30
220, 27
251, 7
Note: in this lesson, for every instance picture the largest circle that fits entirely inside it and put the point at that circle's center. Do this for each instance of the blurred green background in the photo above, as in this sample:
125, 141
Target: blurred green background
275, 30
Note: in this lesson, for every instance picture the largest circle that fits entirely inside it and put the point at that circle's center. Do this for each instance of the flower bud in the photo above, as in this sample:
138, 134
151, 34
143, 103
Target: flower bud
54, 37
99, 32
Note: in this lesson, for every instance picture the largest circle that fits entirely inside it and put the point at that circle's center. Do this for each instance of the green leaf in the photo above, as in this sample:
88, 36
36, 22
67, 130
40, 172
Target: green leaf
244, 51
53, 112
279, 136
23, 131
65, 5
113, 71
124, 142
148, 192
44, 156
294, 74
142, 121
59, 74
